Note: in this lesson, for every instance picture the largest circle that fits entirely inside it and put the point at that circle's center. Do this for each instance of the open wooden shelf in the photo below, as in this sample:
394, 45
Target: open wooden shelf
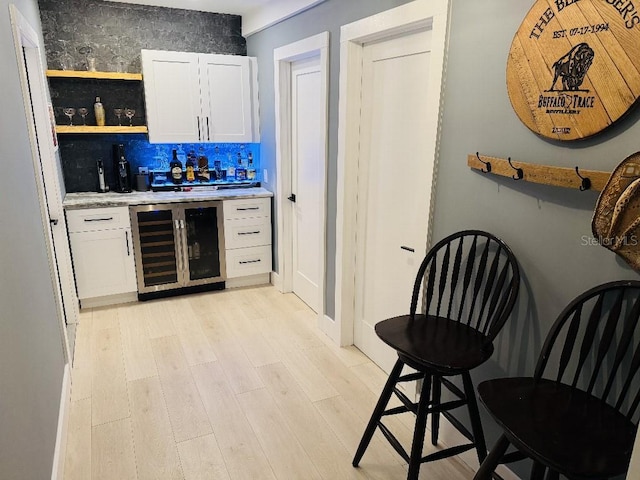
94, 75
105, 129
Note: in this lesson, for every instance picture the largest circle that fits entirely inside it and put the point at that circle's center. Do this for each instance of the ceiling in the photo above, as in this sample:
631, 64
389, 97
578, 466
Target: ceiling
236, 7
256, 14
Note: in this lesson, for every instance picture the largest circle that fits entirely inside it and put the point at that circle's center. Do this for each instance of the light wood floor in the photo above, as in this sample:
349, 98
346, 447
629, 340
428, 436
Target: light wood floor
238, 384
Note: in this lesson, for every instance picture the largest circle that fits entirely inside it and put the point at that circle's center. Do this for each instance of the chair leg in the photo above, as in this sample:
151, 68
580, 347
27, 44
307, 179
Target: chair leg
474, 416
419, 429
537, 471
490, 463
387, 391
552, 475
435, 416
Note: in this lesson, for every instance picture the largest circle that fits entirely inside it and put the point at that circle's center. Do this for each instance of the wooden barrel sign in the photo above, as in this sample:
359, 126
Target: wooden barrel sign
574, 66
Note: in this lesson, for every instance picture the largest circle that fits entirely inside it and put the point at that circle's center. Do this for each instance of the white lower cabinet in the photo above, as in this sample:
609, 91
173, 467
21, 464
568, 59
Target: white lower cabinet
102, 251
247, 237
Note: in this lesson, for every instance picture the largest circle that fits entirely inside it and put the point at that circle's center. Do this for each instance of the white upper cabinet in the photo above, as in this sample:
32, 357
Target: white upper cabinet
193, 97
172, 96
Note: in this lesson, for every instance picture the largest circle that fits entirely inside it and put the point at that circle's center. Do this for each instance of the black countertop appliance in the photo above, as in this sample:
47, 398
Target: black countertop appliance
122, 169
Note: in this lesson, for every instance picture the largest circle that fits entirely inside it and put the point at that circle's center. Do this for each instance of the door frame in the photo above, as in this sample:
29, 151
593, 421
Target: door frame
414, 16
283, 57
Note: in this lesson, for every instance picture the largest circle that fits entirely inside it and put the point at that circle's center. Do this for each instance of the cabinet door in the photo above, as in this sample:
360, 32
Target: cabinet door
103, 262
172, 96
226, 84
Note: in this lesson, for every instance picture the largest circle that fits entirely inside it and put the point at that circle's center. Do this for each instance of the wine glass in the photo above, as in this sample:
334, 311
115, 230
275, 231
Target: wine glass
118, 63
69, 112
129, 113
83, 113
66, 60
118, 113
89, 61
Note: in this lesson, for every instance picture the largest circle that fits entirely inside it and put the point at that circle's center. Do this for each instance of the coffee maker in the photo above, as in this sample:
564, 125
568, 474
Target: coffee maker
122, 169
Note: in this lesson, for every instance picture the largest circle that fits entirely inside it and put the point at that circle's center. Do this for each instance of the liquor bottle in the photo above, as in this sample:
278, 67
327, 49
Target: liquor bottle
191, 167
123, 169
231, 169
203, 166
241, 172
251, 171
176, 168
98, 109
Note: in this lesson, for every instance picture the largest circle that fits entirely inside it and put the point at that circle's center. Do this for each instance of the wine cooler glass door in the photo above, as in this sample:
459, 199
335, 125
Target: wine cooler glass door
157, 247
204, 243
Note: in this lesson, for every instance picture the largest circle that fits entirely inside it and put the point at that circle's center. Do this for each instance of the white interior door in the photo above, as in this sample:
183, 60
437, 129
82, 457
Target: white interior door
307, 173
393, 184
49, 191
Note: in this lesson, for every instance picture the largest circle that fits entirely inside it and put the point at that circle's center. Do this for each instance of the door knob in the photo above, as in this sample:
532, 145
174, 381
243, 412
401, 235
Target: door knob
292, 197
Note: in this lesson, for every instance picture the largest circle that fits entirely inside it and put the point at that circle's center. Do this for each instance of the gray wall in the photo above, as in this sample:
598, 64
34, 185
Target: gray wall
327, 16
547, 227
31, 355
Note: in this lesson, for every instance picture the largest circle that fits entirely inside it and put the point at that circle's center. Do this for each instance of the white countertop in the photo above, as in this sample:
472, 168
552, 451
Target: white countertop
111, 199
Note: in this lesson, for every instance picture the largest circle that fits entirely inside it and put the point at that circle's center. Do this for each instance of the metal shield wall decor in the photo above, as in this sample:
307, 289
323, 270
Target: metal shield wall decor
574, 66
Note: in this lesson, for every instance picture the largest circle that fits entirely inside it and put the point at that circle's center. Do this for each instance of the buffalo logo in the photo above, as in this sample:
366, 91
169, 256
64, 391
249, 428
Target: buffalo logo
572, 67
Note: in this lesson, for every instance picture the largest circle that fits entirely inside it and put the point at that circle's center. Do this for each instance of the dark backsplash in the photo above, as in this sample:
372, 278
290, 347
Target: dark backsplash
110, 29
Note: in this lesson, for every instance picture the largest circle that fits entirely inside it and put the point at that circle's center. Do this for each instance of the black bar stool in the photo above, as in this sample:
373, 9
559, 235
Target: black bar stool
469, 283
577, 416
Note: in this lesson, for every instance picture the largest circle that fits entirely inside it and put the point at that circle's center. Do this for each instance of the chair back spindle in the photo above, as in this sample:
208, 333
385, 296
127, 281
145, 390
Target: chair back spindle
471, 277
596, 344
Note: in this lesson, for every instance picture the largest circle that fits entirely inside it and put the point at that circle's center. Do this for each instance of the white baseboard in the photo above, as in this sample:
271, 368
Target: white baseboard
59, 454
331, 329
248, 281
276, 281
109, 300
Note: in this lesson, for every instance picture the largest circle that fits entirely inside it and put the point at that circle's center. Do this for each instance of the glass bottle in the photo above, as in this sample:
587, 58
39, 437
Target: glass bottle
231, 169
241, 172
191, 167
251, 171
176, 168
203, 166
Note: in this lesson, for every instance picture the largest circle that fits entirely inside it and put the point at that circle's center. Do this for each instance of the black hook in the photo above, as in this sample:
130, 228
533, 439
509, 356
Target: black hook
519, 172
487, 164
586, 182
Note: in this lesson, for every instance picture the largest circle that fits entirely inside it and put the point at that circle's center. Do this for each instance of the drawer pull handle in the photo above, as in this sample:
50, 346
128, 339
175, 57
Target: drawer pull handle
247, 208
250, 261
98, 219
249, 233
408, 249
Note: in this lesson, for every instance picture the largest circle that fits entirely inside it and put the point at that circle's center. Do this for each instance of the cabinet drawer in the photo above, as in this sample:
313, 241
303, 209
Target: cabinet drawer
247, 232
92, 219
248, 261
252, 207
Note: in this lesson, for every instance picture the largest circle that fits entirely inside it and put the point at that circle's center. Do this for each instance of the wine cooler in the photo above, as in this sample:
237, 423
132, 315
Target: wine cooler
178, 245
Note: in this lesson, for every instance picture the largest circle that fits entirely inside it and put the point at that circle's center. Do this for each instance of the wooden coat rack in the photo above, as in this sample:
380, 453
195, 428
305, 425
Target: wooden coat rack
544, 174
